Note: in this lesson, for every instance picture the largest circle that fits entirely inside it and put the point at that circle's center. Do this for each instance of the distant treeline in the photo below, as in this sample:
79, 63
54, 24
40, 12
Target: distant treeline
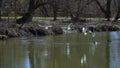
75, 9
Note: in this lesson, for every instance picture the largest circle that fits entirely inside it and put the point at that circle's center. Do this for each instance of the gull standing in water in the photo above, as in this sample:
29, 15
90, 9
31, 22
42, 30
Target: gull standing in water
68, 28
84, 30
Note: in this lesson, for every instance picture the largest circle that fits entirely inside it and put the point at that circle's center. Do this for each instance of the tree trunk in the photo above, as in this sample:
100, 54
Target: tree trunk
118, 10
0, 8
55, 13
108, 10
28, 16
0, 14
117, 15
100, 6
55, 9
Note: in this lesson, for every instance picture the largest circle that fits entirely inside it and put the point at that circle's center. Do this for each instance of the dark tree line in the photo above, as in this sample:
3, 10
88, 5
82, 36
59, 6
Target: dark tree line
0, 8
117, 3
67, 8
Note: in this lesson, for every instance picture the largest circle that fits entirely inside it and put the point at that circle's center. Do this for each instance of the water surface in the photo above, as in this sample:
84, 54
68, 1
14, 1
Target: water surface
73, 50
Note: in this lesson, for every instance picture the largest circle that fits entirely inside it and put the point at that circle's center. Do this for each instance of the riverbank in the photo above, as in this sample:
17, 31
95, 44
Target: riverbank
43, 28
11, 29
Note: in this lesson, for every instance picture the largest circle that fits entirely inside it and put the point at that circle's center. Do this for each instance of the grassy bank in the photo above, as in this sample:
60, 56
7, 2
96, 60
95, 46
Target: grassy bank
58, 18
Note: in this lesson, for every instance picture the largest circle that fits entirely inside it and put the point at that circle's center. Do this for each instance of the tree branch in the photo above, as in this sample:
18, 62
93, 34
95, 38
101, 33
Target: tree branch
100, 6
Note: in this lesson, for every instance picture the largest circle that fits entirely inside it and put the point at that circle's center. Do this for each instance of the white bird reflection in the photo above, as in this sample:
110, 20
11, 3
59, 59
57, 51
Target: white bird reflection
93, 47
95, 43
68, 49
83, 59
93, 34
46, 52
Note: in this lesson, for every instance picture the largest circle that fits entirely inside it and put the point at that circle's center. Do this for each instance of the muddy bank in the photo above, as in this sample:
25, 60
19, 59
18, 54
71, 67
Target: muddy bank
43, 28
99, 28
95, 26
8, 30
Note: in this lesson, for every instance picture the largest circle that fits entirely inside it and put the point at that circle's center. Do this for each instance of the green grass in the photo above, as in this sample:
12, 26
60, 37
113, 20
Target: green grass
5, 17
48, 18
51, 18
35, 18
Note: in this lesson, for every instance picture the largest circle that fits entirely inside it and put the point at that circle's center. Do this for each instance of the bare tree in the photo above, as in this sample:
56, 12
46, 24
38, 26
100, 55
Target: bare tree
33, 5
75, 8
117, 4
105, 9
54, 4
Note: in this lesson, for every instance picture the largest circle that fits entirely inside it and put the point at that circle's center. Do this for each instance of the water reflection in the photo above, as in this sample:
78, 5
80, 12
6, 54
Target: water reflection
12, 56
93, 47
64, 51
27, 62
93, 34
83, 59
114, 50
68, 49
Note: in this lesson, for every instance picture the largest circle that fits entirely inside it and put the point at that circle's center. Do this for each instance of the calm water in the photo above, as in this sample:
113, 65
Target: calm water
73, 50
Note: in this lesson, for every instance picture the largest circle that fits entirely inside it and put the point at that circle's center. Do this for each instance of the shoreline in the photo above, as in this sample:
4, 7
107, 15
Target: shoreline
43, 28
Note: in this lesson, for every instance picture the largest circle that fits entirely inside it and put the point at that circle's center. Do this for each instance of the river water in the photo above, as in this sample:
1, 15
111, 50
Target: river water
71, 50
